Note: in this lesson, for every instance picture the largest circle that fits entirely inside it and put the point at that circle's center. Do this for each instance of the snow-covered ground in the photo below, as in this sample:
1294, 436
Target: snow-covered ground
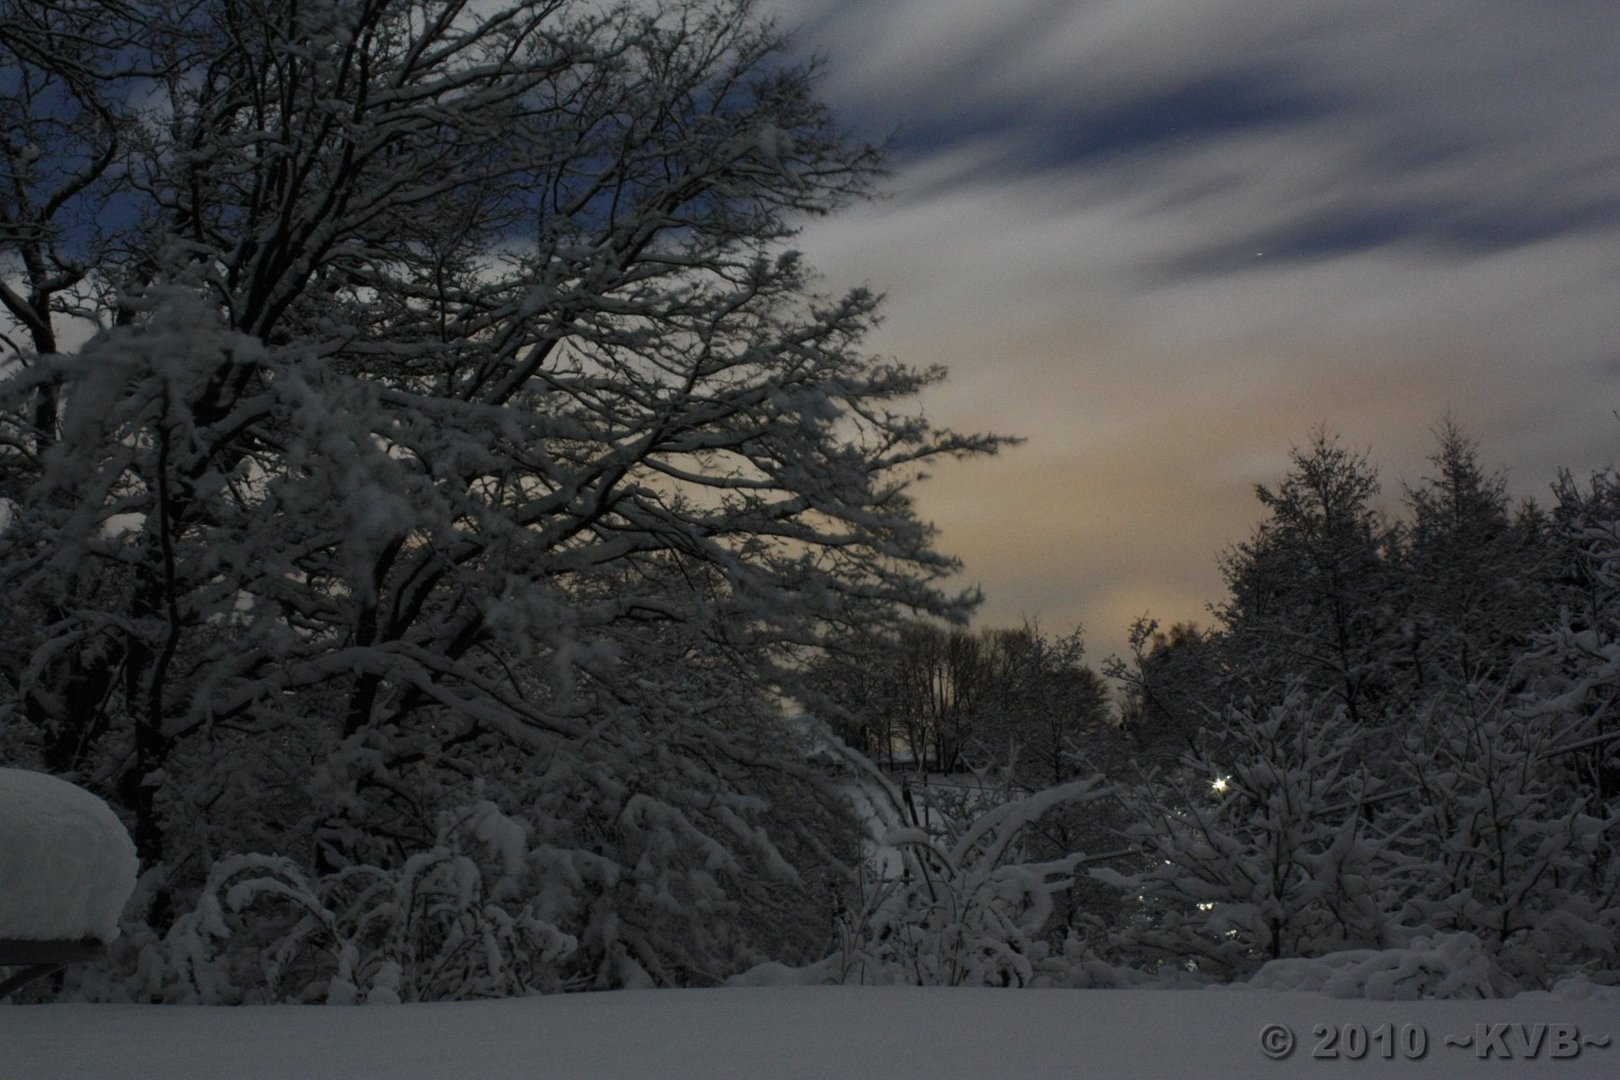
820, 1032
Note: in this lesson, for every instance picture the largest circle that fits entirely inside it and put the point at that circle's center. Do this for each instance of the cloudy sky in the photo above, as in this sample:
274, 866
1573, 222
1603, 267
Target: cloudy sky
1164, 239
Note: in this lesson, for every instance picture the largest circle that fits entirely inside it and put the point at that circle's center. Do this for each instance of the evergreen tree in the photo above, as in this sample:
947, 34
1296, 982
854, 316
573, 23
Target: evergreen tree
1469, 576
1309, 602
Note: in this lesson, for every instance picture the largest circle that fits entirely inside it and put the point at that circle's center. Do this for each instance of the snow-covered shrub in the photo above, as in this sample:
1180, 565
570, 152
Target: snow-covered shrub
1471, 831
624, 863
1501, 844
439, 926
1269, 857
1571, 672
964, 908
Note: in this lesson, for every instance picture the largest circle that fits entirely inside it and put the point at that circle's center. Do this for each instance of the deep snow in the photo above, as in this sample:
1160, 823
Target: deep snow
822, 1032
66, 864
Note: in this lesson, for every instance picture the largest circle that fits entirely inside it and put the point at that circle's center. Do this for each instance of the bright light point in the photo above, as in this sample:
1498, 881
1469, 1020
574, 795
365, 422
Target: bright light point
1218, 785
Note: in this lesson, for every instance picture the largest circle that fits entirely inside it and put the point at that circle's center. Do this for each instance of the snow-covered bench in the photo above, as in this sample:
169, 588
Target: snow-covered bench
66, 869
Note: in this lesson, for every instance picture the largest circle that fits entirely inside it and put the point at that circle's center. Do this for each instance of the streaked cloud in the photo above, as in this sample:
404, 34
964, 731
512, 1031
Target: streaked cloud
1163, 238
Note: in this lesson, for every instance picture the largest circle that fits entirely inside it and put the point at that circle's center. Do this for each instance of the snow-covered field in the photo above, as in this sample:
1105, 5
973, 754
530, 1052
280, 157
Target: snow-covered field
820, 1032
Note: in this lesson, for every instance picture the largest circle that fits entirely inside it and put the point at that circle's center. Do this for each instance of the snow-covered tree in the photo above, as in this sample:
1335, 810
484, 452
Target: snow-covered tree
1171, 685
1443, 782
1470, 578
1310, 591
1571, 671
954, 700
1268, 856
1040, 706
459, 432
1501, 845
1580, 531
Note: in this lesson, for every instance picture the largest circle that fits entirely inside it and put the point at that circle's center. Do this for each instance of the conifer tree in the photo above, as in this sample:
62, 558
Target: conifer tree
1309, 591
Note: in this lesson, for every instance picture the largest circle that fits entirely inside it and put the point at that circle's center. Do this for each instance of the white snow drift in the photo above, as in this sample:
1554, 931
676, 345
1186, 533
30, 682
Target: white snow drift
66, 864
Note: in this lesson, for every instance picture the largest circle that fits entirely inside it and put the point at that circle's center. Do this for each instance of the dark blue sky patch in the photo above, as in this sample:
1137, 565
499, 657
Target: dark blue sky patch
1467, 231
1225, 103
1496, 228
1054, 134
1322, 236
1466, 228
1413, 149
1348, 233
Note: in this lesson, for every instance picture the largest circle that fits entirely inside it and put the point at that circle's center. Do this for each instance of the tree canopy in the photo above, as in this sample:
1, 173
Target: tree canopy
459, 467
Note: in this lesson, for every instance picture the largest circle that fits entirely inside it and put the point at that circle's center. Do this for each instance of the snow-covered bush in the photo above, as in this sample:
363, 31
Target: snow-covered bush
965, 907
442, 925
1269, 857
1472, 831
1511, 818
1502, 845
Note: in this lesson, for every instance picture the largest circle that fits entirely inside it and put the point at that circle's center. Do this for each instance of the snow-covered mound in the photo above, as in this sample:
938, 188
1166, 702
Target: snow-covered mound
1447, 966
66, 864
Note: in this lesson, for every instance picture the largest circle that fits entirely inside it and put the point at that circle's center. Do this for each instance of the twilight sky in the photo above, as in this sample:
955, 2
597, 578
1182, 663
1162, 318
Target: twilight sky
1163, 239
